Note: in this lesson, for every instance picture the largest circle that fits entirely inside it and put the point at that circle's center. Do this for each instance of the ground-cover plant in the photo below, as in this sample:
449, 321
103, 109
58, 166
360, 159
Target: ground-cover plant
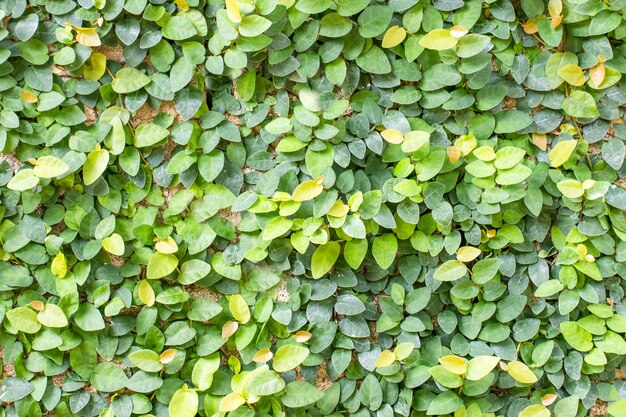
312, 207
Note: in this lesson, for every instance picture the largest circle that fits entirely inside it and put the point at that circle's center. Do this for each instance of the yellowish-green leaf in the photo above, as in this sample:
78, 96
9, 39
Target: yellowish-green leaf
520, 372
385, 358
23, 180
232, 11
161, 265
52, 316
146, 293
239, 308
394, 36
167, 245
114, 244
59, 265
87, 36
535, 410
480, 366
454, 364
96, 163
231, 402
571, 188
573, 74
289, 356
95, 66
392, 136
439, 40
561, 152
184, 403
308, 190
324, 258
49, 167
467, 253
403, 350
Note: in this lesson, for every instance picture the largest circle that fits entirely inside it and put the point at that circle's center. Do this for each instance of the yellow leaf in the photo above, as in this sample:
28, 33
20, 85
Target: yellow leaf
454, 364
339, 209
555, 7
229, 329
385, 358
30, 97
540, 140
59, 265
485, 153
535, 410
438, 40
232, 11
392, 136
561, 152
520, 372
597, 73
555, 21
239, 308
167, 356
394, 36
308, 190
573, 74
182, 5
87, 37
231, 402
467, 253
530, 27
167, 245
262, 356
146, 293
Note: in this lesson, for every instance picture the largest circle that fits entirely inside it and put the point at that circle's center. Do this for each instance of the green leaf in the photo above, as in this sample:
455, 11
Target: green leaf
384, 250
149, 134
264, 382
580, 104
108, 377
203, 371
300, 394
128, 80
178, 28
253, 25
146, 360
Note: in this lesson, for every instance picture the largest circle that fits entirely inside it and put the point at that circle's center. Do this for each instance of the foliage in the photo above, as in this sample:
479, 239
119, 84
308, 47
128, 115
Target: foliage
342, 207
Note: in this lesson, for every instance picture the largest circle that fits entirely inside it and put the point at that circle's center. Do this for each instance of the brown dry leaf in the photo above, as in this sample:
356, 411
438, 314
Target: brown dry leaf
597, 73
454, 153
540, 140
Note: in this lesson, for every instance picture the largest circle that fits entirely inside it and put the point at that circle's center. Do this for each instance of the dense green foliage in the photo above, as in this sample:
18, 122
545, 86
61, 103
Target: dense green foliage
312, 207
